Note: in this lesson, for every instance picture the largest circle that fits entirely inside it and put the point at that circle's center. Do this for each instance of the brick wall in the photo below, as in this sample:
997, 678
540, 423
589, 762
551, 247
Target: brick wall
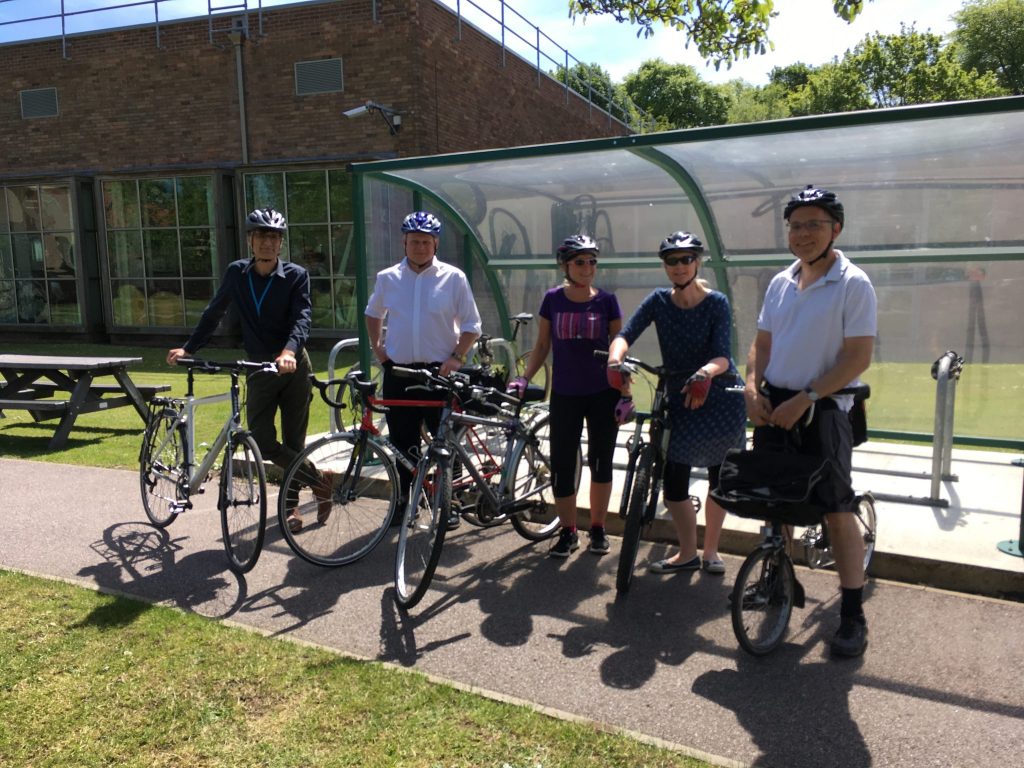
126, 104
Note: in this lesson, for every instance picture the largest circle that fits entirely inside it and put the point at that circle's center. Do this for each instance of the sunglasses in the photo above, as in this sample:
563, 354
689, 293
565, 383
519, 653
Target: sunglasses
584, 262
689, 258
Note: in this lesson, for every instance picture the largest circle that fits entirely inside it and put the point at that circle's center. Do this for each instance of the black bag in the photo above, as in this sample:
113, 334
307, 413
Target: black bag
788, 487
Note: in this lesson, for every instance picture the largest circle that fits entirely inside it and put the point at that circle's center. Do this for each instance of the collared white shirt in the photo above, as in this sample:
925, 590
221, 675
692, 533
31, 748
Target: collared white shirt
426, 312
808, 326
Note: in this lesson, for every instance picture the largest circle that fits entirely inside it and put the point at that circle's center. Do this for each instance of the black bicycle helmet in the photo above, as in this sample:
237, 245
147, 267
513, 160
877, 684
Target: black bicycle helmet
680, 241
265, 219
819, 198
421, 221
575, 245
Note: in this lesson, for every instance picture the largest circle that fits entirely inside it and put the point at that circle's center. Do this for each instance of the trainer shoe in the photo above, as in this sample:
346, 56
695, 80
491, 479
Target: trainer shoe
851, 638
568, 542
598, 541
668, 566
454, 520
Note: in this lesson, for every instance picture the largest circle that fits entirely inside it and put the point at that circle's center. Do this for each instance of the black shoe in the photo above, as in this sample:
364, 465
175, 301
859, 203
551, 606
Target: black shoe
851, 638
598, 542
568, 542
454, 520
399, 513
667, 566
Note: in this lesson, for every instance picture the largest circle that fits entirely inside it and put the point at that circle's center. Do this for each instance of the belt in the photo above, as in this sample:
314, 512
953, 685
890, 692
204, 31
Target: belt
777, 395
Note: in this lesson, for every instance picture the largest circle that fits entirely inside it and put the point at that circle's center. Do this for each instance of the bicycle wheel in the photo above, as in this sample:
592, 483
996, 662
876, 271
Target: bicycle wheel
531, 481
819, 556
243, 502
162, 473
638, 499
486, 448
344, 488
762, 600
422, 534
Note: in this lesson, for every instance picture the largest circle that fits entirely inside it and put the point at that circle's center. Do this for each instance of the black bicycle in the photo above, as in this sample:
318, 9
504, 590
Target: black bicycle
645, 465
782, 489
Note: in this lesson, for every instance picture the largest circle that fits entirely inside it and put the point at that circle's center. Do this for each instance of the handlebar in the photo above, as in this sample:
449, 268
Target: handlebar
458, 384
213, 366
353, 379
633, 364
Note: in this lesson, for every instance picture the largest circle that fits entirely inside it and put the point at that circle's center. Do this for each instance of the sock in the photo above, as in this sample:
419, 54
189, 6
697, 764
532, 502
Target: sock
851, 604
597, 529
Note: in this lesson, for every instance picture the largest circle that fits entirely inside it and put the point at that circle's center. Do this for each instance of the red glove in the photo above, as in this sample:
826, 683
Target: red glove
697, 386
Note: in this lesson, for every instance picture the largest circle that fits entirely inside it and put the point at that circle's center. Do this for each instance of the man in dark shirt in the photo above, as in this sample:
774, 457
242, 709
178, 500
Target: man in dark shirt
273, 303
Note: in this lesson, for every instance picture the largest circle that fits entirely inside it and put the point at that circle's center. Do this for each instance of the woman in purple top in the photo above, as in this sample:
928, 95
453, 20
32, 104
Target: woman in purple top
576, 318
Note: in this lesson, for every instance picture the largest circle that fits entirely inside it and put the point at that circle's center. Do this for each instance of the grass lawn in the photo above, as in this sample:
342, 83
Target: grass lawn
95, 680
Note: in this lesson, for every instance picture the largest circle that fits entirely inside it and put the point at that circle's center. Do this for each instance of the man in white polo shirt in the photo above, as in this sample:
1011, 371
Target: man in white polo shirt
815, 335
432, 319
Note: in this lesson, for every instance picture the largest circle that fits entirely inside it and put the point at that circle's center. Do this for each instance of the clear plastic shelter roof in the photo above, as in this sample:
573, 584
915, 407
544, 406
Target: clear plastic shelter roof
931, 180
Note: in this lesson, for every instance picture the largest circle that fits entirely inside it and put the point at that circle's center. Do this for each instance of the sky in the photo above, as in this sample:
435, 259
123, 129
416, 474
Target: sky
805, 30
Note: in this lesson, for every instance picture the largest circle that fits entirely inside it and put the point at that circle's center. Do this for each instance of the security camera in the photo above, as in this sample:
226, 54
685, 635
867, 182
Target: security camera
356, 111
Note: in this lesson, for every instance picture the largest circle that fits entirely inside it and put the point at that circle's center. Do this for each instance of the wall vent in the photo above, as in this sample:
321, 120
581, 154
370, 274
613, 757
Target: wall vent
39, 102
322, 76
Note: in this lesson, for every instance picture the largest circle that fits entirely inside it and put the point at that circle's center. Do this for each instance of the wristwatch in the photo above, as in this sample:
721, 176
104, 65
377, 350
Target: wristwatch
811, 394
457, 356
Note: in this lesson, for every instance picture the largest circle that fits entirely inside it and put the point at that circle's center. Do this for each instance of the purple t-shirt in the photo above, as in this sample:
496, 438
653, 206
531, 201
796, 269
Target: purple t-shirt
577, 329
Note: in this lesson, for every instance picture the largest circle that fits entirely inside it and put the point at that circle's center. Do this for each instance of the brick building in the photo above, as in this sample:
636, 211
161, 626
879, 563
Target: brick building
128, 156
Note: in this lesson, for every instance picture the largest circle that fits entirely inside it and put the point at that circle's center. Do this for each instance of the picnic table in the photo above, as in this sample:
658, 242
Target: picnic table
30, 383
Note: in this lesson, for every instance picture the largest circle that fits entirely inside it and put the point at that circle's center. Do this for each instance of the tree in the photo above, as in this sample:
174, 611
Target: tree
834, 87
722, 30
676, 96
754, 103
589, 80
915, 68
990, 36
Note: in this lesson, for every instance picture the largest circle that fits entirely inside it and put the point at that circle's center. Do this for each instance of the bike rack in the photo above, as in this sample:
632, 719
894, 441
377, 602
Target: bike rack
335, 415
1015, 547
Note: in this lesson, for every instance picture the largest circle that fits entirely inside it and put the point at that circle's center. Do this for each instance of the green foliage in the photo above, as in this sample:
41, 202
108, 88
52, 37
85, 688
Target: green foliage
990, 39
723, 31
835, 87
753, 103
590, 80
676, 96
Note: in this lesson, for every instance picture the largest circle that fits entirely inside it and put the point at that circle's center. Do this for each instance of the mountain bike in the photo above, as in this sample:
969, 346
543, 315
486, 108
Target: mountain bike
518, 489
169, 476
647, 454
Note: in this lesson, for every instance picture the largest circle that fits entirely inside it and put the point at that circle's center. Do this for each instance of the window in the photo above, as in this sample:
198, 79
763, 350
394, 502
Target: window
318, 206
161, 249
38, 267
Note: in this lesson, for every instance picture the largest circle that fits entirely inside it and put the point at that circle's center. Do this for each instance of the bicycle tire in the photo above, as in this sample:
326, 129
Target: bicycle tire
243, 502
364, 494
762, 600
486, 448
532, 479
162, 469
421, 537
867, 522
638, 501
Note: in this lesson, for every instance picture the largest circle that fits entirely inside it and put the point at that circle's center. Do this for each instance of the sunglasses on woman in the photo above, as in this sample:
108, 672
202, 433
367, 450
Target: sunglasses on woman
585, 262
686, 258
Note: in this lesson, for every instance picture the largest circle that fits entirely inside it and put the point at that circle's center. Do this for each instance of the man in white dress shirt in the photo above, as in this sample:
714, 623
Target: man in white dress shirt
432, 320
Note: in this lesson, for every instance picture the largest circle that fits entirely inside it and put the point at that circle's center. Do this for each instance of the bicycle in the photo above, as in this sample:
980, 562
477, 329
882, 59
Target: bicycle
522, 492
644, 466
505, 352
169, 475
767, 589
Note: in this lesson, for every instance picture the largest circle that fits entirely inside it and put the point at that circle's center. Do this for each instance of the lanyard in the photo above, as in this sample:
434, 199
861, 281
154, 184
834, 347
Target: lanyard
252, 289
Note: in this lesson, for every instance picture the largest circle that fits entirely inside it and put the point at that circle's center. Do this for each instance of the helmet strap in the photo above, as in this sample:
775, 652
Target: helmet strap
823, 254
684, 285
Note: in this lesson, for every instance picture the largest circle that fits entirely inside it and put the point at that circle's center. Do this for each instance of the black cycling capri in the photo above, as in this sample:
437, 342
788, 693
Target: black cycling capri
676, 479
568, 413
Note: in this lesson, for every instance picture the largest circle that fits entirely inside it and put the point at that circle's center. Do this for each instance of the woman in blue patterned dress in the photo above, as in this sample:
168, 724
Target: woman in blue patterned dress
693, 323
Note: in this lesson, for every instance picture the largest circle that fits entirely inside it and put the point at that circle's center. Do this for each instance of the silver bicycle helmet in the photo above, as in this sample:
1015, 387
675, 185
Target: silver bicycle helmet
265, 219
421, 221
577, 244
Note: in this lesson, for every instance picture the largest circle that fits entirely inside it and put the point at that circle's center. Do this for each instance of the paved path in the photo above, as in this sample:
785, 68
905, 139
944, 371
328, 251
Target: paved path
940, 685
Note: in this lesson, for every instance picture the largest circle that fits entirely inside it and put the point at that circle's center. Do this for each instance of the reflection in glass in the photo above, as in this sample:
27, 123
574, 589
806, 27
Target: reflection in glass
28, 255
6, 258
63, 302
158, 208
307, 197
55, 202
197, 295
23, 209
165, 303
31, 301
124, 254
195, 201
340, 190
306, 246
59, 256
5, 222
129, 303
323, 313
196, 254
121, 204
161, 249
264, 190
8, 304
341, 249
